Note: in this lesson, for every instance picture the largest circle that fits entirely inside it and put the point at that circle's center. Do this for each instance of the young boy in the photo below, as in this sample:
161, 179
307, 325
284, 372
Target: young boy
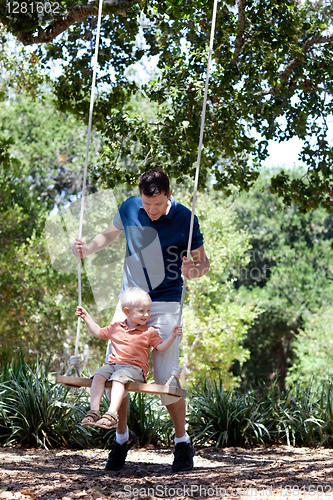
131, 341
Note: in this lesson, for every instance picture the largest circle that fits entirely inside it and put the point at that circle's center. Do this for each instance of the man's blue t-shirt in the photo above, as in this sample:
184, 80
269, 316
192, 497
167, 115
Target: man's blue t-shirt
155, 249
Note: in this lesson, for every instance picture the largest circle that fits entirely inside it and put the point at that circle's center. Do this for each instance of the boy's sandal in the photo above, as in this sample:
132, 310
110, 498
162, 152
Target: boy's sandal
108, 421
91, 418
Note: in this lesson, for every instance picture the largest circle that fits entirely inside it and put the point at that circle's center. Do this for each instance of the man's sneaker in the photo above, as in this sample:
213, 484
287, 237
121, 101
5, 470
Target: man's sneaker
184, 453
117, 455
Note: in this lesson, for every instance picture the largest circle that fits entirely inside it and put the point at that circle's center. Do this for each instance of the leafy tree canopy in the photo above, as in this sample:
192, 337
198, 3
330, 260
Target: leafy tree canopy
215, 317
37, 302
313, 351
48, 146
272, 74
289, 275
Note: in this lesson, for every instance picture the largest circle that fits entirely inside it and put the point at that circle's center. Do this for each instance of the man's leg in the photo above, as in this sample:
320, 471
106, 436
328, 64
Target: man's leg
177, 412
164, 317
122, 415
184, 451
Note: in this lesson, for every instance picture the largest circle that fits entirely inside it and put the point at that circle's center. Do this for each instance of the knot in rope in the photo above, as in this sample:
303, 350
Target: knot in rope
176, 373
74, 364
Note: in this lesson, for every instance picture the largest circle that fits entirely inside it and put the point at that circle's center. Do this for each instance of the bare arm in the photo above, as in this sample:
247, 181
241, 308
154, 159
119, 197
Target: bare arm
197, 267
101, 241
91, 325
164, 346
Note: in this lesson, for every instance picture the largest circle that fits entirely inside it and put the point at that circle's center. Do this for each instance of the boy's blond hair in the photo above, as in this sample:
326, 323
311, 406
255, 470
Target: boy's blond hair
134, 296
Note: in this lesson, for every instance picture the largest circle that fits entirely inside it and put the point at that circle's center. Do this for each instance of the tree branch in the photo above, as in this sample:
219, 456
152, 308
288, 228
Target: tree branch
284, 75
240, 32
74, 15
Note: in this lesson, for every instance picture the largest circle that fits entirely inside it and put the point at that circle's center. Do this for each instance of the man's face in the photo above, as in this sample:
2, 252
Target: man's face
155, 206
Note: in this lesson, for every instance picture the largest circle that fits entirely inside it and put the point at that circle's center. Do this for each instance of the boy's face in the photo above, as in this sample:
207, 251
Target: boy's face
137, 315
156, 206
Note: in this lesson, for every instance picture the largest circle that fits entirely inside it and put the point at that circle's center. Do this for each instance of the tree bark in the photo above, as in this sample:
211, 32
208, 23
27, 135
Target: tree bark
284, 75
74, 15
240, 32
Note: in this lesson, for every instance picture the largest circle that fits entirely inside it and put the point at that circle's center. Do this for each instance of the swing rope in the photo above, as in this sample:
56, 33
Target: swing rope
74, 362
196, 180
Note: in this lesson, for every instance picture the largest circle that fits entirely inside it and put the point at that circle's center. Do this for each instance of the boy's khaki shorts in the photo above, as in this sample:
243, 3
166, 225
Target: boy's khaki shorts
121, 373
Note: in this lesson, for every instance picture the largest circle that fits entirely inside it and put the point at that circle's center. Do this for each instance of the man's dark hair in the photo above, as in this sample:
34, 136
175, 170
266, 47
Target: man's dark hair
154, 182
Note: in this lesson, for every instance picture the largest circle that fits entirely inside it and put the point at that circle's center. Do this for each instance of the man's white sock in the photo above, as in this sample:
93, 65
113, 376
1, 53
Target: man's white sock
122, 438
184, 439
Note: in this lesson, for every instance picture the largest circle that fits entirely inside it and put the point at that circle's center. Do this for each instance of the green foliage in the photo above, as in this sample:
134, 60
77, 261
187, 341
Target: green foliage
326, 406
216, 319
48, 147
37, 412
20, 68
293, 417
313, 351
224, 418
271, 73
149, 419
30, 314
6, 160
34, 411
289, 275
298, 417
38, 303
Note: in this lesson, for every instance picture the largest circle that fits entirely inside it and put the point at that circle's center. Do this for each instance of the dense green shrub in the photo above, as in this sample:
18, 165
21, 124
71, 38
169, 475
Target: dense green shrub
149, 419
260, 415
35, 411
224, 418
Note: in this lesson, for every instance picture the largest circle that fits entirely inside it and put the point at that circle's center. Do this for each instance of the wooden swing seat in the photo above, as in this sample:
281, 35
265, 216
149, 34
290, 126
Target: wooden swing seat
169, 390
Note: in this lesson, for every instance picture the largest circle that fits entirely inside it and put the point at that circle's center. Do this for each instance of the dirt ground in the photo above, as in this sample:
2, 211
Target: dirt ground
233, 473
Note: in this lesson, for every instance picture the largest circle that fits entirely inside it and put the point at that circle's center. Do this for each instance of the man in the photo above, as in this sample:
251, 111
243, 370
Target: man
157, 230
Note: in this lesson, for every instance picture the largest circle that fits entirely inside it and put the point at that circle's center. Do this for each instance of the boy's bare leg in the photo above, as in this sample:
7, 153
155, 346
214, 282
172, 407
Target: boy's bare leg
117, 395
97, 390
122, 415
177, 412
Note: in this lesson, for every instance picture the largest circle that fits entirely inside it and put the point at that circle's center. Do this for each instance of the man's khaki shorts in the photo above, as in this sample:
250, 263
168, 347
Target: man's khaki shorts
121, 373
